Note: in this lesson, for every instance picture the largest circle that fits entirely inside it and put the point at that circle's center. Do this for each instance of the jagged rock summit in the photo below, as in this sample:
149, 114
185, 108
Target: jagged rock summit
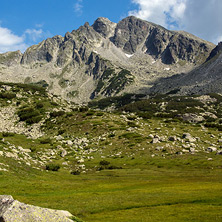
202, 80
12, 210
105, 59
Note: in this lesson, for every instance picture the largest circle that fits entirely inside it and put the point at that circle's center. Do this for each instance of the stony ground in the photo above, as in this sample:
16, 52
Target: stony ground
116, 157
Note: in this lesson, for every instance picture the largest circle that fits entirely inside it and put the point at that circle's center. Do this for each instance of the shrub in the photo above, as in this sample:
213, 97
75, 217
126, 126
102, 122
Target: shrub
131, 124
61, 131
114, 167
39, 105
130, 136
104, 162
57, 113
99, 114
54, 103
45, 141
83, 109
75, 172
34, 119
7, 134
90, 113
52, 167
131, 117
29, 115
6, 95
111, 135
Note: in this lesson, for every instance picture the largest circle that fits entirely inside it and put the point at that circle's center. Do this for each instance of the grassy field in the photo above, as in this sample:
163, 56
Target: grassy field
137, 193
123, 175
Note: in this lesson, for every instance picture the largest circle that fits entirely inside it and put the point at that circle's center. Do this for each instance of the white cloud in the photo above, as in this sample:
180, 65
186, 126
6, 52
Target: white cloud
78, 7
200, 17
10, 42
34, 34
158, 11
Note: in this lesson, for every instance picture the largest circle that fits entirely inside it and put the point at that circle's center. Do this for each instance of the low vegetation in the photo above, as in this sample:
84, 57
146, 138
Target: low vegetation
147, 160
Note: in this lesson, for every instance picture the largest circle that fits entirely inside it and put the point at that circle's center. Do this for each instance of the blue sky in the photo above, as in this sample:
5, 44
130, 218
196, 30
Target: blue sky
27, 22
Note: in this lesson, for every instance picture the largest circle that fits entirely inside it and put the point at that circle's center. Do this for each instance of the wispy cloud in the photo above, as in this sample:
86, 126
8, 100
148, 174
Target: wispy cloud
160, 11
78, 6
200, 17
34, 35
12, 42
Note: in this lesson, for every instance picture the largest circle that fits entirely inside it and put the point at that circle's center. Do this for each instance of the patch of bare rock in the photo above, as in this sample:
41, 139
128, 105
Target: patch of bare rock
12, 210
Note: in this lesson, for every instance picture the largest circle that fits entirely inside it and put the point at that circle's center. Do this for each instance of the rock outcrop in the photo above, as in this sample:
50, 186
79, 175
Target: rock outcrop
202, 80
12, 210
169, 46
77, 66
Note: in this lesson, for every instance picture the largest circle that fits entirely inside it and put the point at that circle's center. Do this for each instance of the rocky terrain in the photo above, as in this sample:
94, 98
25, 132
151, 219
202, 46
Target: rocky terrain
47, 133
109, 121
57, 150
202, 80
105, 59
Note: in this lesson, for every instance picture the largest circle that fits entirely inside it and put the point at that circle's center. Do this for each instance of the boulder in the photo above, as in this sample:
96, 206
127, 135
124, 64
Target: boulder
211, 149
12, 210
155, 140
63, 153
219, 152
151, 136
172, 138
189, 138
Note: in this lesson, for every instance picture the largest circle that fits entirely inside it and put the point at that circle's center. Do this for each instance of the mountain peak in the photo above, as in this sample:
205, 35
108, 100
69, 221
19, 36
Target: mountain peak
106, 59
104, 26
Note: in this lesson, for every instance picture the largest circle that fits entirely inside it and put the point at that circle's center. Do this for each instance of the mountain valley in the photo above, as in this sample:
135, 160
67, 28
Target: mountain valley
112, 122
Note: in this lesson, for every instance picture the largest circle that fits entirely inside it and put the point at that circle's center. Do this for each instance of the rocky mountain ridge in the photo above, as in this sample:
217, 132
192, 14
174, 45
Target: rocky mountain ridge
105, 59
202, 80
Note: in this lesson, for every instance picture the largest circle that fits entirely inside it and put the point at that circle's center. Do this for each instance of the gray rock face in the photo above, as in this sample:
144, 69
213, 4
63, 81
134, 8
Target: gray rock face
130, 32
43, 52
169, 46
10, 58
104, 27
202, 80
12, 210
216, 51
95, 61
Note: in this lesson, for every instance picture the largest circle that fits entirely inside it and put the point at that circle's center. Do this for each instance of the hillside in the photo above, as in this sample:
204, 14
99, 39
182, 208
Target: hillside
105, 59
99, 165
202, 80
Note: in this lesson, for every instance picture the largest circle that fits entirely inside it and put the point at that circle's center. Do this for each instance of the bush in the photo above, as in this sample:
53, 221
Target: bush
7, 95
83, 109
57, 113
52, 167
114, 167
61, 131
131, 124
7, 134
130, 136
90, 113
76, 172
29, 115
39, 105
99, 114
104, 163
45, 141
34, 119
